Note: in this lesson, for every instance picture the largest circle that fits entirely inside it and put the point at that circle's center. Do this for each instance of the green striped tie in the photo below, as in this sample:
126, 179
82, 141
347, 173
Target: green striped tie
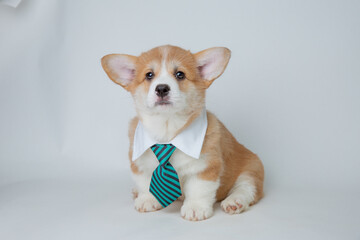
164, 185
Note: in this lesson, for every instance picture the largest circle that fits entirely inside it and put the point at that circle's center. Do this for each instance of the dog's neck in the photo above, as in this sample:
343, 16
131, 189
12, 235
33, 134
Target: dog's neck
164, 127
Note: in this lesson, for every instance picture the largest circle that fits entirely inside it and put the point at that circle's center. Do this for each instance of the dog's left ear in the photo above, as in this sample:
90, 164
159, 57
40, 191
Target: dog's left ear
120, 68
212, 63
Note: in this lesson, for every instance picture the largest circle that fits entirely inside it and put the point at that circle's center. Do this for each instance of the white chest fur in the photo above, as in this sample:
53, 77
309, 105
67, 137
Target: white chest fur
164, 127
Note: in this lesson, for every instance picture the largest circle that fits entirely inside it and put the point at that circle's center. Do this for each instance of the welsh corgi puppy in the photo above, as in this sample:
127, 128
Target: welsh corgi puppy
178, 149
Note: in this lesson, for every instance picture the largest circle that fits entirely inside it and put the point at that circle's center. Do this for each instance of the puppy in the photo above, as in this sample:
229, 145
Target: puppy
168, 86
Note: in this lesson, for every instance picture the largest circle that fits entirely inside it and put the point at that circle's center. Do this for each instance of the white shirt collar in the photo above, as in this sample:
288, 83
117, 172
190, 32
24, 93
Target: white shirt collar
189, 141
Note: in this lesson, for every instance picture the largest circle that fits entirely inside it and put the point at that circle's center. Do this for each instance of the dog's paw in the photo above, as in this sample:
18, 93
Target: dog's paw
147, 203
195, 212
233, 205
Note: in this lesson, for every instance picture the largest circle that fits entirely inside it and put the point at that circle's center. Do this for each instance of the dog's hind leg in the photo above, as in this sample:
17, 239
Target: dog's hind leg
242, 195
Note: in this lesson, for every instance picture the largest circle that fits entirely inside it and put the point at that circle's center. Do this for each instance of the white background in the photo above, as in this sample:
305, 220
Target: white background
291, 94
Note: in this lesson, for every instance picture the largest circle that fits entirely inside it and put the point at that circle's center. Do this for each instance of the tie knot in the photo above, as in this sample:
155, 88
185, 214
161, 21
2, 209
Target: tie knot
163, 152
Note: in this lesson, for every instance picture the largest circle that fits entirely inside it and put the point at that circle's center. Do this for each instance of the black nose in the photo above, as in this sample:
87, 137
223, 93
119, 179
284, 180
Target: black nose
162, 90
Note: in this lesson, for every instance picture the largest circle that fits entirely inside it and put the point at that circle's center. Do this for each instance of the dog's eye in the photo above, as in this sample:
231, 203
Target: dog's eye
179, 75
149, 75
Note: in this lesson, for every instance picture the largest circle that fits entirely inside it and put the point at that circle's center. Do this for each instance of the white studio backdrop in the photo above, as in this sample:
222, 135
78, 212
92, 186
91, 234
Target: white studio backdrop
291, 92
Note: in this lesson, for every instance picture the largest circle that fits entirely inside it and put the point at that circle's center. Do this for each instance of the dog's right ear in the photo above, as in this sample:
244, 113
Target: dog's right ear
120, 68
212, 63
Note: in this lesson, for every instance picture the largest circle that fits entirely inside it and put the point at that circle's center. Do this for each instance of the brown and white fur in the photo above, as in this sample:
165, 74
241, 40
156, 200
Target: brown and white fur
226, 171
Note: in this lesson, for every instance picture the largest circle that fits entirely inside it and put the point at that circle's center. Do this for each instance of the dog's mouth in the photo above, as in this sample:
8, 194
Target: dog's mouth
162, 102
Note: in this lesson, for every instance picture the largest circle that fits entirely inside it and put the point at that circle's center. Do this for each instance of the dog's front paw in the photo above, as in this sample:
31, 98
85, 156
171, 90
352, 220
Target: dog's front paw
147, 203
195, 212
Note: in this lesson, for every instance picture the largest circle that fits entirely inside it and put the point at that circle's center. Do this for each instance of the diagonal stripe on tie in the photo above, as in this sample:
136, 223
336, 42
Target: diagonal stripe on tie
164, 184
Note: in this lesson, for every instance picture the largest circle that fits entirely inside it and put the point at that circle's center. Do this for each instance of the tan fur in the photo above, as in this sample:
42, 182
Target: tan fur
132, 127
212, 149
235, 159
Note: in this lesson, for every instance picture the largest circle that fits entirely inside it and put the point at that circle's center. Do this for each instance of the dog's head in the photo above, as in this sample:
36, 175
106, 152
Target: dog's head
167, 79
